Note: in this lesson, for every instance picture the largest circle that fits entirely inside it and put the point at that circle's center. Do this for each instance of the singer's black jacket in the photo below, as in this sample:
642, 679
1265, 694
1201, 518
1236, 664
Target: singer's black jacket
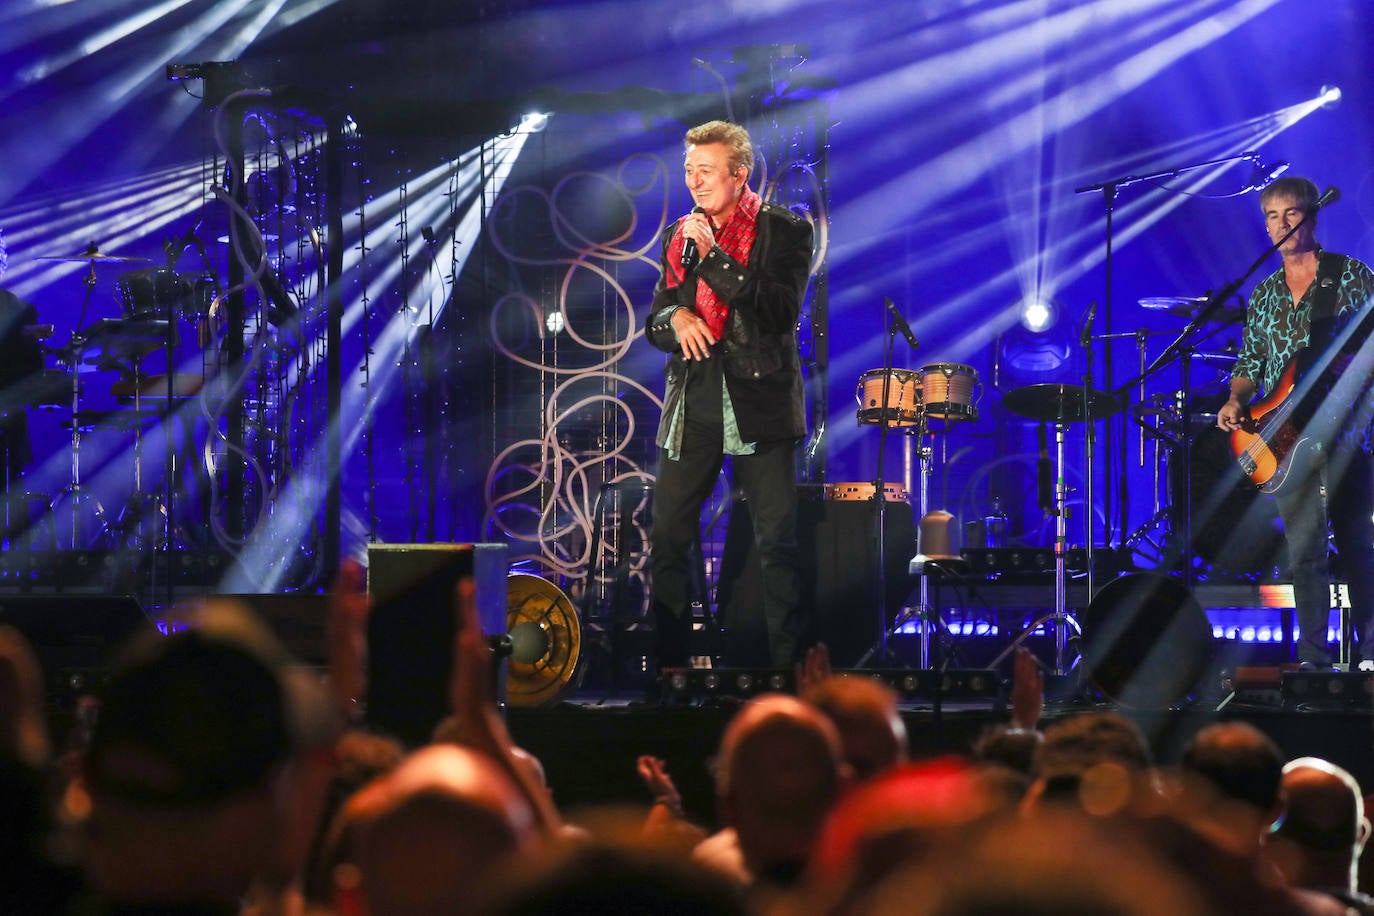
759, 346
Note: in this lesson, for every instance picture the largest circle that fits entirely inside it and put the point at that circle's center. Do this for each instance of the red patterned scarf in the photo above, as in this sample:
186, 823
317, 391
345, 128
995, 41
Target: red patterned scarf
736, 238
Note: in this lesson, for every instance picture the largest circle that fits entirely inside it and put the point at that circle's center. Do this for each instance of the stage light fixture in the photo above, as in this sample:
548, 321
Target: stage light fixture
1038, 315
532, 122
1034, 350
1330, 96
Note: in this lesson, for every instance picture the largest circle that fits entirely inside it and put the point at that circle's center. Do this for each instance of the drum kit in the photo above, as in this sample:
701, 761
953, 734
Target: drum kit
151, 300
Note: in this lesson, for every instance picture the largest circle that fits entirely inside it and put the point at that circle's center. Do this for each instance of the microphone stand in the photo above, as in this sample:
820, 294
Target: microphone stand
879, 494
1109, 189
1086, 342
893, 321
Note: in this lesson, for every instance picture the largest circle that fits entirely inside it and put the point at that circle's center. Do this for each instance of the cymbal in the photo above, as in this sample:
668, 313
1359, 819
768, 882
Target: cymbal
1177, 305
1060, 403
266, 237
1187, 307
95, 257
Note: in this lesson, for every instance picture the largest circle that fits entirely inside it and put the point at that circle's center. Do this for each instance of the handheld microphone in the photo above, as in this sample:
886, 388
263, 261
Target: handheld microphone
1262, 176
1329, 197
901, 324
690, 256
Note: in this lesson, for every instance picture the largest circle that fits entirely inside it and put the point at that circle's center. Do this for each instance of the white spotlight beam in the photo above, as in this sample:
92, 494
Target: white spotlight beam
70, 126
957, 168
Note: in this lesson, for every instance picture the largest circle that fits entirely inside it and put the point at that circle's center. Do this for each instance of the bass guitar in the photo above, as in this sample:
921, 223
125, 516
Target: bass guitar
1273, 436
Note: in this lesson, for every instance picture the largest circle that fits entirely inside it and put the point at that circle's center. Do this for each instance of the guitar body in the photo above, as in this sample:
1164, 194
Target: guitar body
1268, 442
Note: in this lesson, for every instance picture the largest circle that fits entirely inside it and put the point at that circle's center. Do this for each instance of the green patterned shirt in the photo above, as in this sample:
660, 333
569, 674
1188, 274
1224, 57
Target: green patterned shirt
1275, 330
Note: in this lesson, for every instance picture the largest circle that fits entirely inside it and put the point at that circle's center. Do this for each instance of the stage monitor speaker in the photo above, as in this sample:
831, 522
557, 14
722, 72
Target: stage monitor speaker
300, 620
837, 541
411, 628
74, 636
1146, 641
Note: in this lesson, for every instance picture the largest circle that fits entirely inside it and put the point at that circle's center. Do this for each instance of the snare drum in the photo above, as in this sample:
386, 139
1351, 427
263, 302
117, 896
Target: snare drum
903, 404
862, 491
950, 391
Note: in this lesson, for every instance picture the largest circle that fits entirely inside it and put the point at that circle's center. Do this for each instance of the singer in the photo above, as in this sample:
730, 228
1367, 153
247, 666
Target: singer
1308, 312
726, 308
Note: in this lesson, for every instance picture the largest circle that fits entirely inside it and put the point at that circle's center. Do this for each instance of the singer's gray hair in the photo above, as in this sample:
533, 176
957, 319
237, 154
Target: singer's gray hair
734, 137
1302, 190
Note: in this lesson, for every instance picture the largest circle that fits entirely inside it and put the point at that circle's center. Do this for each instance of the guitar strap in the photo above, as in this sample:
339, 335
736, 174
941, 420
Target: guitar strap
1328, 280
1325, 327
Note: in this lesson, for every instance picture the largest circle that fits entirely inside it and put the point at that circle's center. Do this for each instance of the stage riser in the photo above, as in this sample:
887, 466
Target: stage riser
589, 752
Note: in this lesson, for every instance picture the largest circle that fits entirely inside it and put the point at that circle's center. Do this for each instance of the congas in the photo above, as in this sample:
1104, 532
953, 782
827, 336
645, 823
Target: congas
863, 490
902, 405
949, 391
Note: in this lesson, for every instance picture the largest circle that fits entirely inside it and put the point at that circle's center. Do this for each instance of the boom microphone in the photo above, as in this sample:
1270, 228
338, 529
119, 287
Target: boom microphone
901, 324
1329, 197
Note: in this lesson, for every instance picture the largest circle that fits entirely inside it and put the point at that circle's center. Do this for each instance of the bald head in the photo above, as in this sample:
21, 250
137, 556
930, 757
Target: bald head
780, 771
1325, 808
443, 819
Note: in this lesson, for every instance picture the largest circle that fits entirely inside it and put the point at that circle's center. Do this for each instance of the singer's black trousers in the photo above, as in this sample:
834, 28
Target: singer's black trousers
768, 479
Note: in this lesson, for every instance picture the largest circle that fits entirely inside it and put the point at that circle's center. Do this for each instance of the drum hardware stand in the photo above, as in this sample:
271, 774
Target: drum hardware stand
924, 612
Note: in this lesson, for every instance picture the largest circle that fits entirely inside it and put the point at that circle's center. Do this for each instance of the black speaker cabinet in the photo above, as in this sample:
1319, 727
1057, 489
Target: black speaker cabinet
840, 585
74, 635
411, 628
298, 619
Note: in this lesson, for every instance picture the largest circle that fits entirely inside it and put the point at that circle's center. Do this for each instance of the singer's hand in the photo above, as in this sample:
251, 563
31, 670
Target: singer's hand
693, 333
696, 227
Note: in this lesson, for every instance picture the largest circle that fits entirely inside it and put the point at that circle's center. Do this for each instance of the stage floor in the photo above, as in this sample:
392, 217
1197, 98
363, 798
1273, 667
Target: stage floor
589, 743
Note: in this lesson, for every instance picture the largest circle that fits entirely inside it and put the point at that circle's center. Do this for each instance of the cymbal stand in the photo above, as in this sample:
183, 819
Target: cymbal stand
1061, 549
73, 354
1059, 618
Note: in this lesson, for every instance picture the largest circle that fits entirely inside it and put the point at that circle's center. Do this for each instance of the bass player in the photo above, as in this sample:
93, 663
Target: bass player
1303, 314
